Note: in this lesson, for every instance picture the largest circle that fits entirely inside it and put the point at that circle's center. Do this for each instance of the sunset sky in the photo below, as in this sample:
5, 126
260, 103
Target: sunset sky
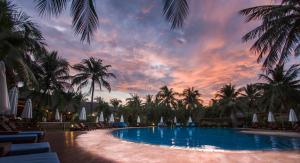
145, 54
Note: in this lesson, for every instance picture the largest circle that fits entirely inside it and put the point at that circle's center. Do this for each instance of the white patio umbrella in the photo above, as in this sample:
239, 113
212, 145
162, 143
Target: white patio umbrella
82, 115
190, 120
13, 99
122, 119
292, 116
161, 120
61, 118
271, 117
97, 119
175, 120
101, 118
27, 112
254, 119
111, 119
57, 117
138, 120
4, 100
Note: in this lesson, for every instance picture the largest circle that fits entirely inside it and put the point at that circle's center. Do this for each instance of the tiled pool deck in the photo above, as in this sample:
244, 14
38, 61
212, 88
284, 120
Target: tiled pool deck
101, 146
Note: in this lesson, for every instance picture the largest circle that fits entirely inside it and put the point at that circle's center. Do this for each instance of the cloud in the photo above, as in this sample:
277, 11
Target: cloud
145, 54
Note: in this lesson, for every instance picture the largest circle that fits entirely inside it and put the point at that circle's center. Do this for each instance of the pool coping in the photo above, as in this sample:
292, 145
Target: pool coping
110, 132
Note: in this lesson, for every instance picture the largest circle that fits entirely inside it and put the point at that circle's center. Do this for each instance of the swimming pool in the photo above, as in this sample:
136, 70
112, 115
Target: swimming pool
207, 138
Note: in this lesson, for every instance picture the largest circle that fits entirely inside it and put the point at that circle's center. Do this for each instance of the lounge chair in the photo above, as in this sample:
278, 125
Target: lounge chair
191, 124
49, 157
161, 124
8, 130
85, 127
29, 148
18, 138
120, 124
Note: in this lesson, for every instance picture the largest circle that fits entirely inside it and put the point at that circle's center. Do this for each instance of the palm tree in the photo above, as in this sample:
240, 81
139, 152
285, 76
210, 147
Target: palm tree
55, 73
115, 103
281, 87
85, 18
166, 97
19, 39
228, 101
278, 35
251, 94
92, 72
191, 98
134, 101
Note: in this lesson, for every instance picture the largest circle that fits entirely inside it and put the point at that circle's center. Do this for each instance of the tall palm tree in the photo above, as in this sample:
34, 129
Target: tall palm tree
134, 101
251, 94
55, 73
85, 18
281, 87
92, 72
191, 98
115, 103
278, 35
166, 97
19, 38
228, 101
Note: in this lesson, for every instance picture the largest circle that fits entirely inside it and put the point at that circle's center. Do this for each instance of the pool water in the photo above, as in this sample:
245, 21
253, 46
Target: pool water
207, 138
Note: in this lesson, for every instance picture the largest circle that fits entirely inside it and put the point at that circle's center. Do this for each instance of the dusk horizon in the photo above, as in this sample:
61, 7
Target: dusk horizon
145, 54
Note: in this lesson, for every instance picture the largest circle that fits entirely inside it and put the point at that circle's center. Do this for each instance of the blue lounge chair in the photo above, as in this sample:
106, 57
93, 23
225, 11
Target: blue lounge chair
30, 148
49, 157
177, 124
40, 134
191, 124
120, 124
18, 138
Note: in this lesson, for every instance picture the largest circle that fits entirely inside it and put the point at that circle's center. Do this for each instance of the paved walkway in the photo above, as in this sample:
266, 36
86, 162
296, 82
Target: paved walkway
101, 144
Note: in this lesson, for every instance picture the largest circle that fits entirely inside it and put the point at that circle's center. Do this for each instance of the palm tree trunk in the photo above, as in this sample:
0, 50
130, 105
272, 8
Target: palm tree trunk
92, 99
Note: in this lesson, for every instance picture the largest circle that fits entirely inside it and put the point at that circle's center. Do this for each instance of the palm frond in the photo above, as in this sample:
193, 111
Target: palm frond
175, 12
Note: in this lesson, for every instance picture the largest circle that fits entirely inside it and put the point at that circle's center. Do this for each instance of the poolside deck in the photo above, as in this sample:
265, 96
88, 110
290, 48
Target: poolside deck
101, 146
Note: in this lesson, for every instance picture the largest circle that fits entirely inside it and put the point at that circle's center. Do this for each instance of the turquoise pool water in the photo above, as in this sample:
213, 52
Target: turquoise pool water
207, 138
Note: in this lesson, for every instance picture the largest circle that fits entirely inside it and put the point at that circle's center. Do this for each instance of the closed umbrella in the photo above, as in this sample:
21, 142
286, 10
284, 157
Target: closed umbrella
122, 119
13, 99
254, 119
27, 112
101, 118
292, 116
161, 120
97, 119
82, 115
57, 117
190, 120
61, 118
4, 100
271, 117
111, 119
175, 120
138, 120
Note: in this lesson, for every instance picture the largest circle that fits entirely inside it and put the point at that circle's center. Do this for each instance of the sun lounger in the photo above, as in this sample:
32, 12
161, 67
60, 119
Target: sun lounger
191, 124
49, 157
177, 124
30, 148
7, 129
120, 124
161, 124
17, 138
85, 127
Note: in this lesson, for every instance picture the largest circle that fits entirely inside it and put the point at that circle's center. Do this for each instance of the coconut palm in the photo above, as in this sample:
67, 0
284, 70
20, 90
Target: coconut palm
134, 101
281, 87
85, 18
228, 103
92, 72
115, 103
55, 73
19, 38
278, 35
191, 98
251, 94
166, 97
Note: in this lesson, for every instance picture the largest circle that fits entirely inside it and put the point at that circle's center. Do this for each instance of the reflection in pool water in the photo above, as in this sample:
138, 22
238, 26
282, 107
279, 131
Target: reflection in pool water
208, 138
